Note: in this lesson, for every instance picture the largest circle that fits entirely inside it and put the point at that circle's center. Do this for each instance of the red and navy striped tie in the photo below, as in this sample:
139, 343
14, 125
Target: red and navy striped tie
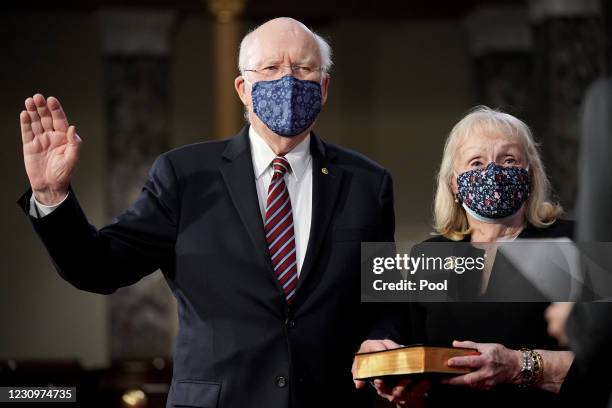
279, 229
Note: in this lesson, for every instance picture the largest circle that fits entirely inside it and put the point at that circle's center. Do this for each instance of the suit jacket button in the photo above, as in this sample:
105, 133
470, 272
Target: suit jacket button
281, 382
290, 323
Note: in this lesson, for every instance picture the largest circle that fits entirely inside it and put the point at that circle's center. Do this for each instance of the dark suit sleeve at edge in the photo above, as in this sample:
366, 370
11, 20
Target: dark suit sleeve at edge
387, 212
137, 243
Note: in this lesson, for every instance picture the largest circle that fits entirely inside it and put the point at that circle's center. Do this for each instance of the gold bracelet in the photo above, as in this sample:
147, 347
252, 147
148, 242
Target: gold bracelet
538, 366
533, 368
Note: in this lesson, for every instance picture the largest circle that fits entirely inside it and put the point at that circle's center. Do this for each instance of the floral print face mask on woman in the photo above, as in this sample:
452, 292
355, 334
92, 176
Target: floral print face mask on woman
493, 192
288, 106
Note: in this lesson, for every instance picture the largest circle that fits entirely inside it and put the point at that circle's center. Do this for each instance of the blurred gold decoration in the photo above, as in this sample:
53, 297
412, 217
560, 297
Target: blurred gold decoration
134, 399
226, 10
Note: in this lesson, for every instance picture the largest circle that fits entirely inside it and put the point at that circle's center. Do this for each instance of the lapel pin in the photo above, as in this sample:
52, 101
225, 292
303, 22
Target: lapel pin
324, 170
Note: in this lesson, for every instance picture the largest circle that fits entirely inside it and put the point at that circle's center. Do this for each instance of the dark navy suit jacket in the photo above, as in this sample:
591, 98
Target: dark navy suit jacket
198, 220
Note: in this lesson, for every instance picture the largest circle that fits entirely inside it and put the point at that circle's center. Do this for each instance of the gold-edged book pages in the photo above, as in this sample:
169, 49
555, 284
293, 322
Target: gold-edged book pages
416, 359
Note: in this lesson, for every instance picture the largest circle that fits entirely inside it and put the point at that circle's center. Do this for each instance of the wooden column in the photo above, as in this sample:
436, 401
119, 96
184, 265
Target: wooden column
226, 35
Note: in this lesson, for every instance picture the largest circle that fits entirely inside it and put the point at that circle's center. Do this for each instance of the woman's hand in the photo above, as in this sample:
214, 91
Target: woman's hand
406, 392
496, 364
370, 346
499, 365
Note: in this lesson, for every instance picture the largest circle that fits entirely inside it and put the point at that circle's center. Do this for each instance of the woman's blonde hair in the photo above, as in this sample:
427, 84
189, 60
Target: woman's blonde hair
450, 218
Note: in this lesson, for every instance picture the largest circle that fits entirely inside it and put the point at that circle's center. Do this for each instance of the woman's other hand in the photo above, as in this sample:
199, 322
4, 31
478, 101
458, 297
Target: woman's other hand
496, 364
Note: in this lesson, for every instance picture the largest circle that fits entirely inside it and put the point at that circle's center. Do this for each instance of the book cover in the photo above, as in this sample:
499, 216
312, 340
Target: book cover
409, 360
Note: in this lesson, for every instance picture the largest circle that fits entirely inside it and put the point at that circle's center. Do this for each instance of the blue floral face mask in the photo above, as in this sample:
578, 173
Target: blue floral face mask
288, 106
493, 192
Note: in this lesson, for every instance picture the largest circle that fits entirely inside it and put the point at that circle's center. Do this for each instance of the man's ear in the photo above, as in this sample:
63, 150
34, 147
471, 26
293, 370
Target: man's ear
241, 85
324, 88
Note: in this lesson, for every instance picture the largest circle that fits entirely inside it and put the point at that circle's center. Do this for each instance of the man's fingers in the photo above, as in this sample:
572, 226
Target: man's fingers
74, 144
27, 135
60, 122
45, 116
34, 118
73, 137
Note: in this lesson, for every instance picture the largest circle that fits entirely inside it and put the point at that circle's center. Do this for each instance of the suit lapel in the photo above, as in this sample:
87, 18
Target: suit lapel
239, 178
326, 186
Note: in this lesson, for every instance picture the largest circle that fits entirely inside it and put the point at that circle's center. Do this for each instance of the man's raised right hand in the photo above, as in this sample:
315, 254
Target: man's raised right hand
50, 148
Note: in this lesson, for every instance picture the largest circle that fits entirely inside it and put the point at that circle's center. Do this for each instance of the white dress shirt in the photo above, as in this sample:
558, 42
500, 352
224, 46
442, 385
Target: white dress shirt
39, 210
299, 184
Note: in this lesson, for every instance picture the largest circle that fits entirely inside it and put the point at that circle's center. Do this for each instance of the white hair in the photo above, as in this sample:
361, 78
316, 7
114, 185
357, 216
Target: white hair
325, 51
449, 216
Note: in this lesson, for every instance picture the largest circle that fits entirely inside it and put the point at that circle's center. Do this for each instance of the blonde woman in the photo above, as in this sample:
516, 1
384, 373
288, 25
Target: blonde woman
491, 187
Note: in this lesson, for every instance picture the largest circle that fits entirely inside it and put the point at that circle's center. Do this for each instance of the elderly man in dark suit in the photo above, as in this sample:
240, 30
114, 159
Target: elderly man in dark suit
258, 236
